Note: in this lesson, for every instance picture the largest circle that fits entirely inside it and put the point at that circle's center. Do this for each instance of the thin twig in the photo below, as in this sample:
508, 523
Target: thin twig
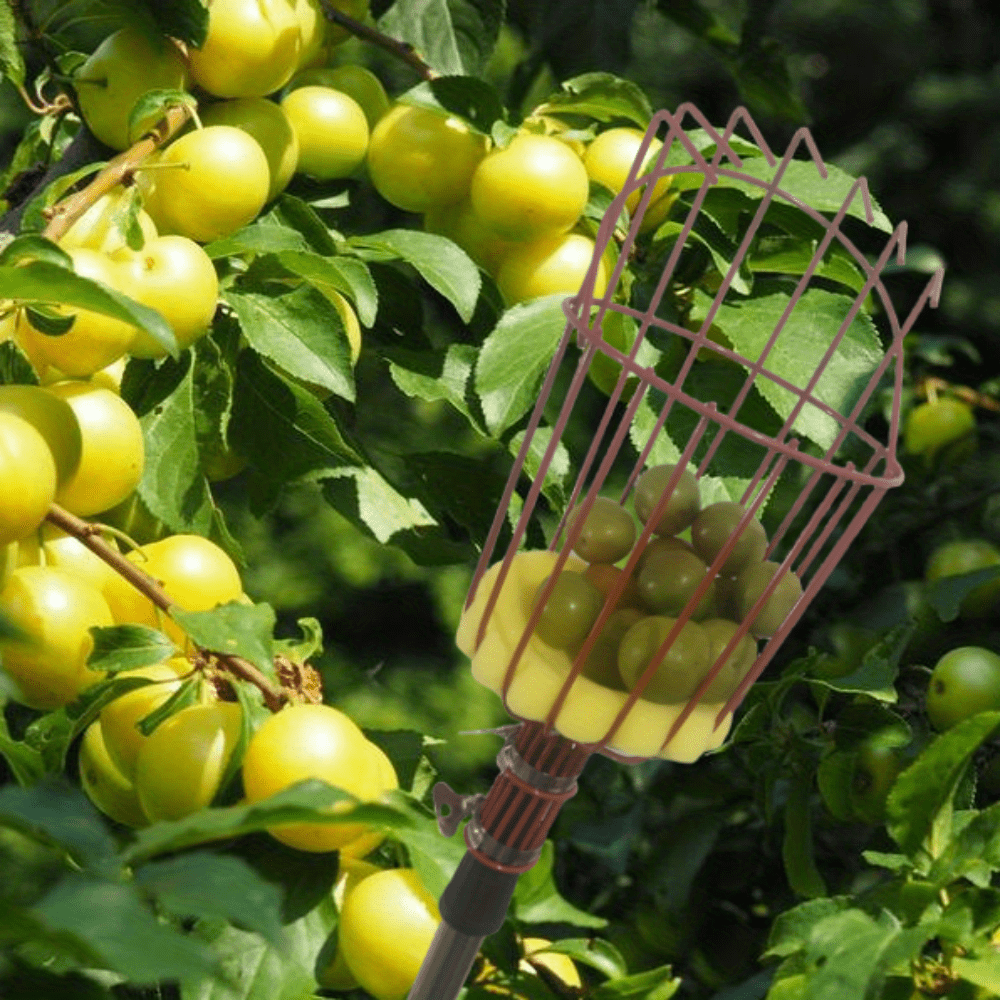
401, 50
123, 166
89, 535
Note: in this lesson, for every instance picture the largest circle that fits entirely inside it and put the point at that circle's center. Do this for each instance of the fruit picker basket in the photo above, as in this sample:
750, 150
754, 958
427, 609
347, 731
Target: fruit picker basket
637, 629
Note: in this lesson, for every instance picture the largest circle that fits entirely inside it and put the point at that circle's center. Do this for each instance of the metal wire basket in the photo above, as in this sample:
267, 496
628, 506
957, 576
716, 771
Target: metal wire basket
816, 455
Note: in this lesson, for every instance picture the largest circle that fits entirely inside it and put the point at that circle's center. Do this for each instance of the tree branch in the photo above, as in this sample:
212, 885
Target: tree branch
401, 50
89, 535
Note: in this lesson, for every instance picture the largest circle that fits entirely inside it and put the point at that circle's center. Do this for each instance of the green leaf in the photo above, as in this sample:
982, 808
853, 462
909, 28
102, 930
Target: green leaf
876, 675
602, 96
187, 694
348, 275
804, 339
32, 246
43, 281
701, 21
514, 359
797, 851
452, 36
976, 845
538, 901
245, 630
11, 60
185, 20
919, 805
125, 647
945, 595
282, 427
256, 969
983, 972
435, 378
654, 984
792, 929
54, 812
441, 263
152, 106
110, 919
466, 96
305, 802
48, 321
304, 649
258, 237
173, 485
300, 331
25, 762
214, 886
791, 255
15, 368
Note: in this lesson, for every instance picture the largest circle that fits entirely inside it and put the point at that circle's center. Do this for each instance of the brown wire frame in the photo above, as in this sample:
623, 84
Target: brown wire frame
585, 314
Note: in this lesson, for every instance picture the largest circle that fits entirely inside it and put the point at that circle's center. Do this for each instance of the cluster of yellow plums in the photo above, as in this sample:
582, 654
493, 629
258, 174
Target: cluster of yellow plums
669, 573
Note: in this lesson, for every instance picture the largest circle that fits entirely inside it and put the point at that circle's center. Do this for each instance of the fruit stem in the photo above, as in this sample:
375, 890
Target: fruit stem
63, 215
89, 535
401, 50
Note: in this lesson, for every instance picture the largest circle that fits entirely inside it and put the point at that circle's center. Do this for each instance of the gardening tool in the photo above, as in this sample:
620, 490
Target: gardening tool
815, 470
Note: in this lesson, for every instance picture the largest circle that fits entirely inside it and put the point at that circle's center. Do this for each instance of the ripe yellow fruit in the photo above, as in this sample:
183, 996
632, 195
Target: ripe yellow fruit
100, 228
112, 452
122, 69
312, 741
50, 546
94, 340
25, 460
548, 266
105, 785
534, 187
347, 316
461, 224
419, 159
609, 159
264, 121
175, 276
251, 49
209, 183
182, 762
561, 966
312, 31
358, 9
52, 418
55, 612
332, 131
355, 81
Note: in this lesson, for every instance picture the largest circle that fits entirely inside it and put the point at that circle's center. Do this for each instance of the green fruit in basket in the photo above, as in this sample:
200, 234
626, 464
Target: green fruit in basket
752, 583
608, 532
607, 578
679, 511
720, 632
669, 578
714, 526
682, 668
602, 663
570, 611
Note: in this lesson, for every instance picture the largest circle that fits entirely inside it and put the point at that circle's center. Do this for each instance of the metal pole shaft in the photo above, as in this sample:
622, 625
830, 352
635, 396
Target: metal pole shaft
446, 965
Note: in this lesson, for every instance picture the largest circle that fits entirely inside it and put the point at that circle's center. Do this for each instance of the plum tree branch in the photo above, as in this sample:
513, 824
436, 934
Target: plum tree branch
122, 167
401, 50
89, 535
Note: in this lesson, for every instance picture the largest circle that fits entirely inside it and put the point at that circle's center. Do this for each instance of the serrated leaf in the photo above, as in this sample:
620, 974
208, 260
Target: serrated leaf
945, 595
876, 675
922, 794
110, 919
452, 36
514, 358
11, 60
258, 237
235, 628
347, 275
437, 379
792, 929
305, 802
466, 96
214, 886
45, 282
54, 812
300, 331
805, 338
125, 647
975, 845
602, 96
255, 969
790, 255
173, 485
299, 215
284, 430
537, 900
442, 264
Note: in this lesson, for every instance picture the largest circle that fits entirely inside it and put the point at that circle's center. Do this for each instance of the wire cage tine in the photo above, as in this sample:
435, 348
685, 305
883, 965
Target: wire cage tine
833, 500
